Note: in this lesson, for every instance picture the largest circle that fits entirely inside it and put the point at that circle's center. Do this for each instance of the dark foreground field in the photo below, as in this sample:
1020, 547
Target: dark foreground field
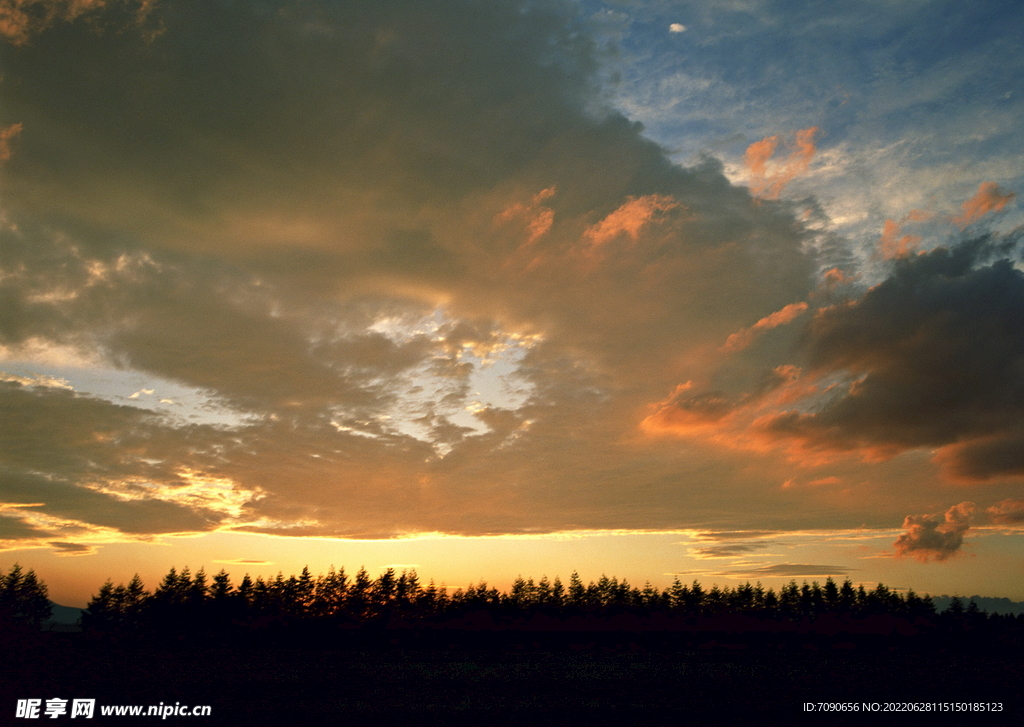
582, 682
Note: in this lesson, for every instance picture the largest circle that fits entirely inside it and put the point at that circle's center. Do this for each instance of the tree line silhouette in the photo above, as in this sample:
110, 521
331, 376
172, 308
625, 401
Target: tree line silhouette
24, 601
186, 603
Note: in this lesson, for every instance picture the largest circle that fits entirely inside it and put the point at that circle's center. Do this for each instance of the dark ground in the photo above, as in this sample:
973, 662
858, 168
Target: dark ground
576, 682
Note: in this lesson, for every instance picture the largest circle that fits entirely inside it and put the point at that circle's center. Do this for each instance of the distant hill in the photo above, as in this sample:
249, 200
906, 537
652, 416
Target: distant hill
63, 618
1001, 606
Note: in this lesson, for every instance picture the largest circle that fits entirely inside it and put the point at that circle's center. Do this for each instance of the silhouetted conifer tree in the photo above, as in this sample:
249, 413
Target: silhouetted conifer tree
557, 593
23, 598
831, 593
577, 591
330, 593
221, 587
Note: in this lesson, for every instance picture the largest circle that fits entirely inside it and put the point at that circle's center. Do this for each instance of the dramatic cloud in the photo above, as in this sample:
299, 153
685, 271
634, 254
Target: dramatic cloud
930, 357
934, 361
410, 272
935, 536
427, 277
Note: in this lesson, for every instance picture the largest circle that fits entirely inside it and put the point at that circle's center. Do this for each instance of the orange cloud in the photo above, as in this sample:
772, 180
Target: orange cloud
775, 421
756, 160
744, 337
764, 183
835, 277
989, 198
686, 415
630, 218
537, 218
929, 537
6, 134
892, 245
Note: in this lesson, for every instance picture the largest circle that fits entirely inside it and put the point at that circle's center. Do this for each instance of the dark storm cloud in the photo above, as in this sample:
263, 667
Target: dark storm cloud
938, 359
931, 357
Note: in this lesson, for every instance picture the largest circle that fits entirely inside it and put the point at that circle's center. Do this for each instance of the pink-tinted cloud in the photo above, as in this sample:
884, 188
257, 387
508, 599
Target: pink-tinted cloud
933, 536
630, 218
893, 243
989, 198
534, 215
834, 277
750, 422
744, 337
768, 180
756, 161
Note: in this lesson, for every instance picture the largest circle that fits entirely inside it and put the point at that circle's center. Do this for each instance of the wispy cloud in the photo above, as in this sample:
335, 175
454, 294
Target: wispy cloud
767, 178
744, 337
988, 199
794, 570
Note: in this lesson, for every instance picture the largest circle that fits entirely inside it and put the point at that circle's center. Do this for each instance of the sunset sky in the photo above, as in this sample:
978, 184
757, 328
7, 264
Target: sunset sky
724, 290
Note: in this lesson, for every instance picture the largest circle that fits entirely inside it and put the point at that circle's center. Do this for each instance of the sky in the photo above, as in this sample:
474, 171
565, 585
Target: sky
724, 290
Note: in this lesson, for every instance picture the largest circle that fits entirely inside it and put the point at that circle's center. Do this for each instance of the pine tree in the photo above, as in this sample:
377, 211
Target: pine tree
677, 594
577, 592
557, 593
221, 588
696, 604
329, 593
359, 594
23, 598
831, 593
543, 593
245, 590
304, 592
196, 590
102, 611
